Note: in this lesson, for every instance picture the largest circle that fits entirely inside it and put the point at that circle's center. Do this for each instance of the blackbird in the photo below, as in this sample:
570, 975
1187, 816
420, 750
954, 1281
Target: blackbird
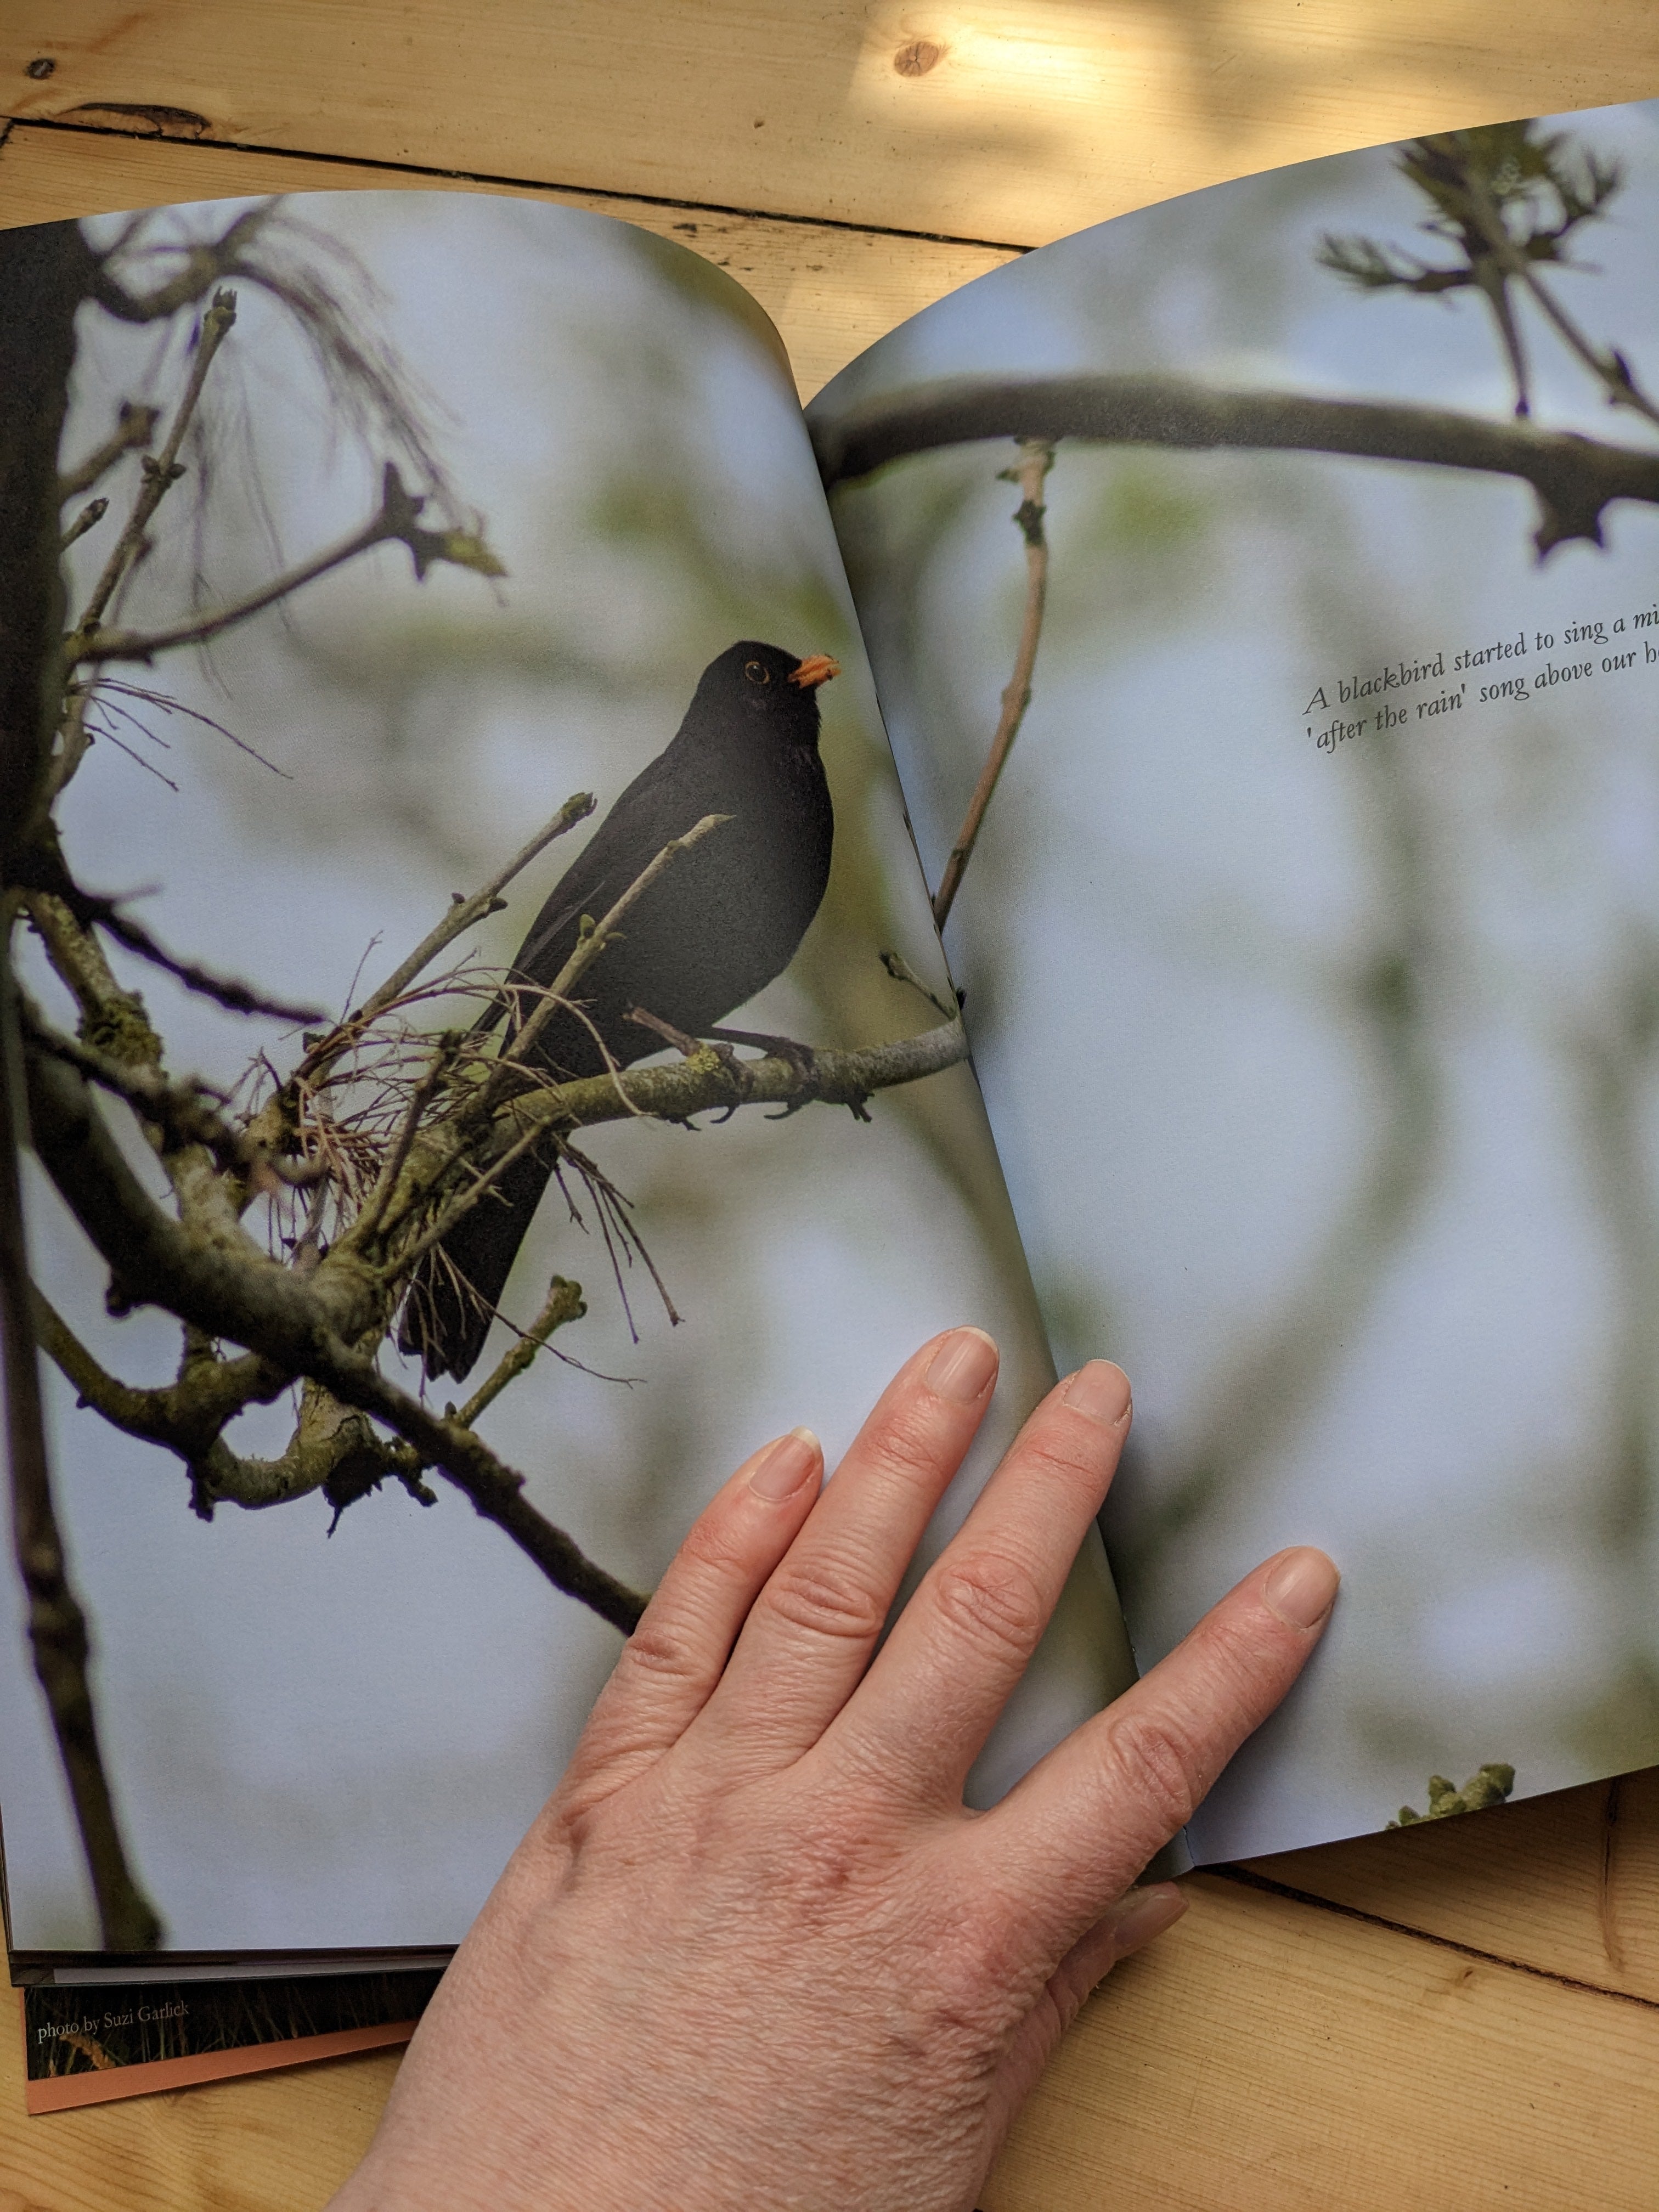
722, 920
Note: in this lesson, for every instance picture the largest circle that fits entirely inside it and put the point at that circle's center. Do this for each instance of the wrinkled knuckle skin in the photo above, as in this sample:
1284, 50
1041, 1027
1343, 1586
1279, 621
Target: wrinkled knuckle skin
710, 1545
992, 1601
1159, 1767
969, 1970
908, 1444
1071, 1451
661, 1653
1245, 1662
825, 1603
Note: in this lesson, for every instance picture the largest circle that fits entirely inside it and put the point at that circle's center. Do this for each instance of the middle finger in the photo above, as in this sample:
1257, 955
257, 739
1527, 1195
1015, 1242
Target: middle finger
966, 1636
810, 1634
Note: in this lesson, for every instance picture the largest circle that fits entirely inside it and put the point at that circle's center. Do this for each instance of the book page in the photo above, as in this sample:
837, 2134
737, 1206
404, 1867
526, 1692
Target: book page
500, 504
1310, 941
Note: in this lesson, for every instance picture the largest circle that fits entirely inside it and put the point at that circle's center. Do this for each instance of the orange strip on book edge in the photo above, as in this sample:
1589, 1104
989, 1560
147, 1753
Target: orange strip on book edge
60, 2093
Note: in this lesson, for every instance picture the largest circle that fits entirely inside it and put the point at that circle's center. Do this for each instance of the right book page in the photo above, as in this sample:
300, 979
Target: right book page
1309, 934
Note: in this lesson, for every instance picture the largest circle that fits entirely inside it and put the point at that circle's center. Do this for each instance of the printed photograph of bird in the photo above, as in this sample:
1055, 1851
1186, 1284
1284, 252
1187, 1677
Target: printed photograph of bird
723, 922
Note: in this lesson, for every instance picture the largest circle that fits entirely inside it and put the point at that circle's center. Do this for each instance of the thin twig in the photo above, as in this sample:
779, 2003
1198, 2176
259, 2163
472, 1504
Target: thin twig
134, 427
1609, 369
369, 1220
1038, 458
181, 1111
226, 991
901, 972
483, 1182
564, 1303
589, 946
463, 913
395, 519
683, 1042
203, 265
101, 686
606, 1195
159, 474
90, 515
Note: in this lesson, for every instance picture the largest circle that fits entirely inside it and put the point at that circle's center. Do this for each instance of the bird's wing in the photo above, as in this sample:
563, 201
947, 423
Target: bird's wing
656, 808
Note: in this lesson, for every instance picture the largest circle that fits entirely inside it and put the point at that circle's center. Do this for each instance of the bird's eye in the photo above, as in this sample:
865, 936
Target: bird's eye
757, 672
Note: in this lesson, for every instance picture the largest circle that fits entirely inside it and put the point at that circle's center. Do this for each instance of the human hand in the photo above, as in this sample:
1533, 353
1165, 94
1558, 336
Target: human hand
755, 1951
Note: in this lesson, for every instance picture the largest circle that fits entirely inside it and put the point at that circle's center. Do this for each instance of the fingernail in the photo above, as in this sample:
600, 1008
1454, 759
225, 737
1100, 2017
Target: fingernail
786, 1465
1144, 1913
1101, 1391
964, 1366
1302, 1588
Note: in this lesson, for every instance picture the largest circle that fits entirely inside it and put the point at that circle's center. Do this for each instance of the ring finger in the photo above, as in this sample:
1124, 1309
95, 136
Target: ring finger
810, 1634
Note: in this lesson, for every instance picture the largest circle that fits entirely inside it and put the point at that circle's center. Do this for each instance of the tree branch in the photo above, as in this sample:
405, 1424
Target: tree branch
590, 944
181, 1113
564, 1303
462, 914
829, 1076
39, 871
44, 272
186, 1415
399, 509
1575, 478
57, 1623
203, 267
135, 428
1038, 458
88, 519
308, 1326
159, 474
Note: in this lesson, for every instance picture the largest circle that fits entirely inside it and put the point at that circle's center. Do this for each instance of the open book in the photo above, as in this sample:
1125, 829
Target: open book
491, 1060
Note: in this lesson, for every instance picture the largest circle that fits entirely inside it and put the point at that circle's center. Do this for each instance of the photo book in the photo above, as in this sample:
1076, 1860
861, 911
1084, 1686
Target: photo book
565, 914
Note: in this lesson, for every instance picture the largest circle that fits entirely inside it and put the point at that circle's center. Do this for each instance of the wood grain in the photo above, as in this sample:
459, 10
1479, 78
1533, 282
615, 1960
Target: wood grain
275, 2143
830, 292
1268, 2056
1568, 1884
1013, 125
1465, 2011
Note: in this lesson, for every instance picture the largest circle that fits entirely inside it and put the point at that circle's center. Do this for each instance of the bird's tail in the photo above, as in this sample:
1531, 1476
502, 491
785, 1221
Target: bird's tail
456, 1286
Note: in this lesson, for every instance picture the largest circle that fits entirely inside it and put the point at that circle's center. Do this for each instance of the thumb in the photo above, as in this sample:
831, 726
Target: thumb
1138, 1916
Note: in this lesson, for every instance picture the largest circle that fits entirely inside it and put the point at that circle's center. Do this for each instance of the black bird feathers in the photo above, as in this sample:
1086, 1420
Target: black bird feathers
716, 927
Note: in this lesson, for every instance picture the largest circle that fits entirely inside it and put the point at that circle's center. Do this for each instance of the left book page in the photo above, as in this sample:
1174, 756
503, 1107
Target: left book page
397, 521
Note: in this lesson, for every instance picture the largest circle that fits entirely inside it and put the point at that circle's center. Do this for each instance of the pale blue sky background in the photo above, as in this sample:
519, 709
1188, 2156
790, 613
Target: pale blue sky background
337, 1741
1385, 1283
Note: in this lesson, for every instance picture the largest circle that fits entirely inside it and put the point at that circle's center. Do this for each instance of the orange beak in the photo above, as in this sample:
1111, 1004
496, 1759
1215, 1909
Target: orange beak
816, 668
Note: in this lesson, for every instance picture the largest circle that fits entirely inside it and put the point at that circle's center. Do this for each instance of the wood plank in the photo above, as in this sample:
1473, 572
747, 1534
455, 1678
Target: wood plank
1014, 124
271, 2144
831, 291
1567, 1883
1267, 2056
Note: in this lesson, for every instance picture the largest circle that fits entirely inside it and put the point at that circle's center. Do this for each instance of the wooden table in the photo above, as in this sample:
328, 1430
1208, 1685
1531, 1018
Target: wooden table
1468, 2014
